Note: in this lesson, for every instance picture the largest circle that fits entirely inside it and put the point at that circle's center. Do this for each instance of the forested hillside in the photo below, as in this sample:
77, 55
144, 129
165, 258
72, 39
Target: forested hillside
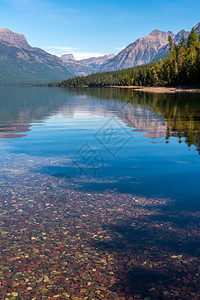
181, 68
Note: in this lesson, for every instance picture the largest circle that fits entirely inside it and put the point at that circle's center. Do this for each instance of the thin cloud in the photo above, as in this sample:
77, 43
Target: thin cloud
120, 48
84, 55
60, 50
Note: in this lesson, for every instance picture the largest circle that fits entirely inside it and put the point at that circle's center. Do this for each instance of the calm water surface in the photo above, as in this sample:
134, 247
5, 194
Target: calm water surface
130, 142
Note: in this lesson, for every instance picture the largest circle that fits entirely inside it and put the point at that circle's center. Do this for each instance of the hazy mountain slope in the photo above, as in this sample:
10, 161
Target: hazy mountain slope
19, 65
78, 69
85, 66
97, 61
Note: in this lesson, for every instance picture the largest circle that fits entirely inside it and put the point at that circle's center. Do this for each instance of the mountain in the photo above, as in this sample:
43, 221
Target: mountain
67, 57
14, 38
178, 70
146, 50
85, 66
197, 28
78, 69
164, 51
22, 64
75, 67
177, 39
97, 61
142, 51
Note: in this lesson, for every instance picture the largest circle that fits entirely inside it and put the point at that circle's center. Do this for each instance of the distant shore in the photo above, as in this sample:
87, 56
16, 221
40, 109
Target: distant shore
161, 90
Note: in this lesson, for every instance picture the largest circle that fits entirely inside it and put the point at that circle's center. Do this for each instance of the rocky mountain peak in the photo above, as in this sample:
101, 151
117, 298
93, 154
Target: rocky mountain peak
158, 33
182, 32
14, 38
5, 30
67, 57
177, 39
155, 32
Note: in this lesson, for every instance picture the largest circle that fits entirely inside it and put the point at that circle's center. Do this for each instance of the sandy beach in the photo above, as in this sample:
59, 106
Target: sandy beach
170, 90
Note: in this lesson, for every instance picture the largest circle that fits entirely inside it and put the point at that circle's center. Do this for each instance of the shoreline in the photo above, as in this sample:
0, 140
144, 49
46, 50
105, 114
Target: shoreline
160, 90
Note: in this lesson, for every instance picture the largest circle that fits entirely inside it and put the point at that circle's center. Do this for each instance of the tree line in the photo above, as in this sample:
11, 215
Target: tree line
181, 68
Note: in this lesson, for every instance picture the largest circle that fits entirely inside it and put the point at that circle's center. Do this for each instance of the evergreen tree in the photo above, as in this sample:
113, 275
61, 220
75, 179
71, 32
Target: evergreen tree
193, 39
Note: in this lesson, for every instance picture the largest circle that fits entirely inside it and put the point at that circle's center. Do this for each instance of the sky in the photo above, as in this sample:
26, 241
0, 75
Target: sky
93, 28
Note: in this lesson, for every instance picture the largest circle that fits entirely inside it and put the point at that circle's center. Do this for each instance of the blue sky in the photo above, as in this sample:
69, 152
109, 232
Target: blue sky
91, 28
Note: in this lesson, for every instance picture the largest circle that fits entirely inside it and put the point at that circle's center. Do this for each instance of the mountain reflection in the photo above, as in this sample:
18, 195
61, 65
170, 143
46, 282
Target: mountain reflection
156, 115
160, 115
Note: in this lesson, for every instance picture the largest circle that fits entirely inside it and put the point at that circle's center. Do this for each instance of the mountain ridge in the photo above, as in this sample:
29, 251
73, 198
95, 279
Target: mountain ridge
145, 50
22, 64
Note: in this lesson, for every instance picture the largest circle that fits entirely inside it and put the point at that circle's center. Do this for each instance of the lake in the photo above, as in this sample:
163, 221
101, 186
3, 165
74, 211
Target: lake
146, 144
89, 178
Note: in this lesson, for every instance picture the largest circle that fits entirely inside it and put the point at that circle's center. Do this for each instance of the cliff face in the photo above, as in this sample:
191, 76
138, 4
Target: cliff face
14, 38
67, 57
